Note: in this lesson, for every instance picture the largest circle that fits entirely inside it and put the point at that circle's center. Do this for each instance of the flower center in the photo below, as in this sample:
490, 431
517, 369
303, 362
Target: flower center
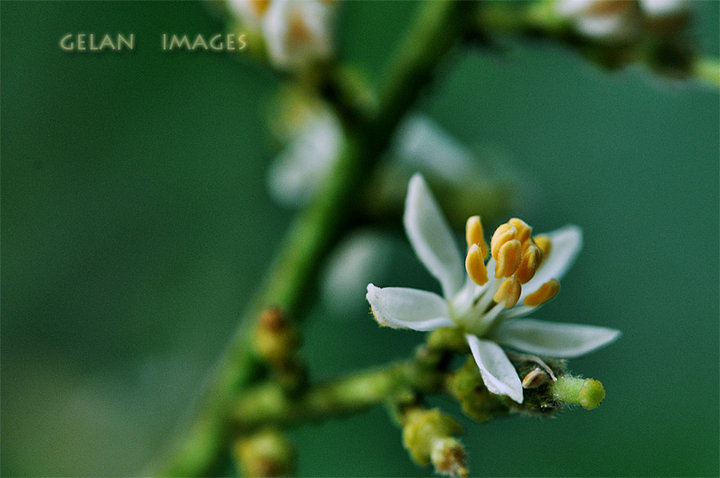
517, 257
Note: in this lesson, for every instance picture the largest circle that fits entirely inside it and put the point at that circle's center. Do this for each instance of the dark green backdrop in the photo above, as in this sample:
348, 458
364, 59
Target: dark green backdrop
135, 225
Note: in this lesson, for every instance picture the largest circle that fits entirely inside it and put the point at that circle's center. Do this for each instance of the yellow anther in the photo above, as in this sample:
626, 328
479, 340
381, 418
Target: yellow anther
508, 259
474, 234
531, 258
503, 234
509, 292
546, 292
523, 230
475, 265
543, 242
259, 6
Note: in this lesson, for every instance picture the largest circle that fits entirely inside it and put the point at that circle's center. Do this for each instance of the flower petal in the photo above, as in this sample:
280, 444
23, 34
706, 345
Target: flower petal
431, 238
566, 243
554, 339
403, 308
496, 369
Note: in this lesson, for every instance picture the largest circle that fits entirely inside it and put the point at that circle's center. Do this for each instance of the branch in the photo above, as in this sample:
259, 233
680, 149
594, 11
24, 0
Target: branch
202, 447
269, 404
669, 53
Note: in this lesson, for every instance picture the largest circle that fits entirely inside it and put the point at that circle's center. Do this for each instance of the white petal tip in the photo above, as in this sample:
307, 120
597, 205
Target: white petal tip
554, 339
496, 370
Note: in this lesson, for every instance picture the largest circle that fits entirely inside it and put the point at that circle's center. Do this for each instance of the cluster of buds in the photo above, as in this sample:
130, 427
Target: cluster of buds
428, 437
622, 21
297, 33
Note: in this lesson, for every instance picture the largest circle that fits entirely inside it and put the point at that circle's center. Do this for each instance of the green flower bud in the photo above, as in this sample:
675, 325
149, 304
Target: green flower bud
447, 338
448, 457
477, 402
264, 454
427, 435
422, 430
275, 340
588, 392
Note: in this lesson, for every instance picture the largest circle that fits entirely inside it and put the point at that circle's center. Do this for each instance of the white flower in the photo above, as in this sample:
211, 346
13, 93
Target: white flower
298, 32
664, 8
608, 20
419, 145
250, 12
307, 160
486, 307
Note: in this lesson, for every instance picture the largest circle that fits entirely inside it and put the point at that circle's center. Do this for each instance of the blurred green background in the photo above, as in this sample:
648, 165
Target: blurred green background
136, 224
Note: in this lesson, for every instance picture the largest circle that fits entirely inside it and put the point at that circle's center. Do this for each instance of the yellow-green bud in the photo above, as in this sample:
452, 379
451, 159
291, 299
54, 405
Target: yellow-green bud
447, 338
467, 386
588, 392
275, 340
264, 454
423, 428
448, 457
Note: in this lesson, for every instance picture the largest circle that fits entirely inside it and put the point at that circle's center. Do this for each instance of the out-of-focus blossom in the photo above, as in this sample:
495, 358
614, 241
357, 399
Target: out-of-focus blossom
305, 162
298, 32
250, 12
609, 20
420, 145
617, 20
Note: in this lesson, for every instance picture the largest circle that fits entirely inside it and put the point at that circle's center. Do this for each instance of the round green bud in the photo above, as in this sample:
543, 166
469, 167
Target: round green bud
591, 394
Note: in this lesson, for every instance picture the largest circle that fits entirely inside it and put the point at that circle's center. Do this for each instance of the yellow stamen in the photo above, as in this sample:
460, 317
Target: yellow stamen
546, 292
503, 234
523, 230
508, 258
299, 31
475, 265
259, 6
474, 234
531, 258
543, 242
509, 291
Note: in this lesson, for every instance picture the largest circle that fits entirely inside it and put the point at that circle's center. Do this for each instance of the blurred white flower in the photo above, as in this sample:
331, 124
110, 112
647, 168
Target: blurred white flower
362, 256
617, 20
608, 20
664, 8
305, 162
420, 144
250, 12
423, 145
298, 32
526, 271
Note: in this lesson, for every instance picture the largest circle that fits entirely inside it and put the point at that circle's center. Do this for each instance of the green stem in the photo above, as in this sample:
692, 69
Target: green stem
541, 20
268, 404
201, 449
